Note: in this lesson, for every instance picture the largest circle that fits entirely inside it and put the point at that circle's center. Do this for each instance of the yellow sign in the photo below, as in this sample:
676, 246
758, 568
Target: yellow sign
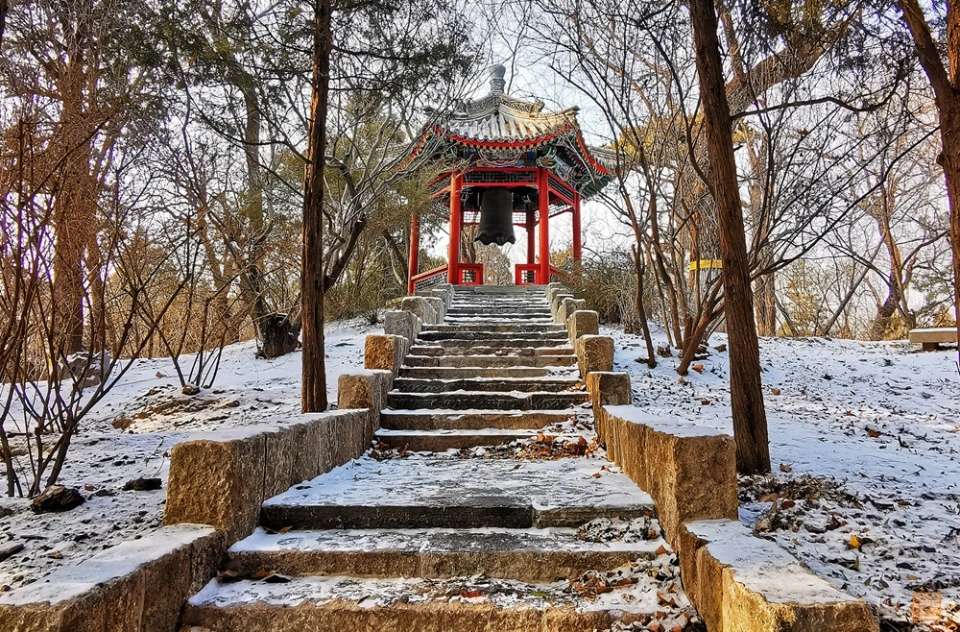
706, 264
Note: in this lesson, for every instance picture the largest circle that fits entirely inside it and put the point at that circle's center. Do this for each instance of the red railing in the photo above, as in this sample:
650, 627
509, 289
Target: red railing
426, 279
526, 274
470, 274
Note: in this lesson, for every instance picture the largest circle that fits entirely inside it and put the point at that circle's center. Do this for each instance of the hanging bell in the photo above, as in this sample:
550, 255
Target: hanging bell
496, 217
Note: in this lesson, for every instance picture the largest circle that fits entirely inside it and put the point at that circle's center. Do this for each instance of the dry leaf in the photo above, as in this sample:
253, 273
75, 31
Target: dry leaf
854, 541
786, 467
874, 433
775, 391
662, 550
698, 368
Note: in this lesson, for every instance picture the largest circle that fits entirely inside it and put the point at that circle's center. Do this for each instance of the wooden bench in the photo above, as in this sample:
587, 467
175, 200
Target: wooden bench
932, 338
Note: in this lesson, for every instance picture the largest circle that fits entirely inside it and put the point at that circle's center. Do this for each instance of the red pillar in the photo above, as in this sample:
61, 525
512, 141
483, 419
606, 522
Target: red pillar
456, 225
413, 268
531, 243
577, 244
544, 195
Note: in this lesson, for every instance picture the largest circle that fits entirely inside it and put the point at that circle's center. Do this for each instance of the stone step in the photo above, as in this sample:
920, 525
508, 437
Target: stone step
490, 361
541, 555
442, 440
471, 400
472, 420
449, 373
453, 493
339, 604
497, 347
513, 343
546, 384
464, 336
501, 313
495, 322
494, 327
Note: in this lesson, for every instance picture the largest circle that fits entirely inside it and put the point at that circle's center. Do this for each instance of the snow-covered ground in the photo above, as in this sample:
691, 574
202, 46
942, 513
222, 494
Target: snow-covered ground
153, 416
864, 441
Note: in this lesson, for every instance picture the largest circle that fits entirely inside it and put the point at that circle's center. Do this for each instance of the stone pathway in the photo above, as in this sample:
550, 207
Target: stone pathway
486, 504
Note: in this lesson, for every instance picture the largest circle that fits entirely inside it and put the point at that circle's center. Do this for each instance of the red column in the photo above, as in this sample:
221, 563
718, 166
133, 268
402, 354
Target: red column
544, 194
531, 243
577, 245
413, 268
456, 225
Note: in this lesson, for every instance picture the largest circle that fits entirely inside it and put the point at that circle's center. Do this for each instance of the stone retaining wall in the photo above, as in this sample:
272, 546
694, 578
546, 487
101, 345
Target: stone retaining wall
137, 586
737, 582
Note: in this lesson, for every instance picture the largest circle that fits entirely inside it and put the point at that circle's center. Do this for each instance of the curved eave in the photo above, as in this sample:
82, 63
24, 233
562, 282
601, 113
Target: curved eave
602, 175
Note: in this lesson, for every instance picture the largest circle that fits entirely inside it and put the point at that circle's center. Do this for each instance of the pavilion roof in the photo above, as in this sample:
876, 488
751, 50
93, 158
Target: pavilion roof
502, 131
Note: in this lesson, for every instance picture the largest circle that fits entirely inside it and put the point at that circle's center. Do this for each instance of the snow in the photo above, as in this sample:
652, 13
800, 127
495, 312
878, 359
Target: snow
426, 480
878, 420
247, 392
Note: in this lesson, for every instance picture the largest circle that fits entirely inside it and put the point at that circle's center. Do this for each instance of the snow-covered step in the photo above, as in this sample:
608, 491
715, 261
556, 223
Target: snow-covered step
464, 400
529, 555
486, 361
494, 327
487, 348
413, 493
500, 315
506, 384
449, 373
442, 440
463, 335
438, 419
513, 343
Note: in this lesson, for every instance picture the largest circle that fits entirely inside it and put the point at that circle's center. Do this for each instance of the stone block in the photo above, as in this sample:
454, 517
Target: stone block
594, 353
557, 302
402, 323
582, 323
307, 438
384, 352
445, 294
738, 582
607, 388
421, 308
217, 481
168, 580
689, 471
568, 306
280, 456
365, 390
439, 307
553, 289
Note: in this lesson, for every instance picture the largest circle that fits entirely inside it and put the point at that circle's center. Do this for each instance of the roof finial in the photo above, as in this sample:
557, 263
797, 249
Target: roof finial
497, 83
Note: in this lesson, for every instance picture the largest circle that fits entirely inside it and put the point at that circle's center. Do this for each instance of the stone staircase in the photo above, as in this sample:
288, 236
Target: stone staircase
485, 505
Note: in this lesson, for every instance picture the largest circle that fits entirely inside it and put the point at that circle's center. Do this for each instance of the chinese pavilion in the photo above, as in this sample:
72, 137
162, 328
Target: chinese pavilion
504, 163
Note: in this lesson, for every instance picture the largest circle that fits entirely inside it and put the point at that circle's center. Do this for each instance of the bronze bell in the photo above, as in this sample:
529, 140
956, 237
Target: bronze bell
496, 217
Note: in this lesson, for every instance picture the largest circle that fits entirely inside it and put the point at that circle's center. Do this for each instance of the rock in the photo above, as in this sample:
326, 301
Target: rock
57, 498
85, 368
280, 336
10, 548
142, 484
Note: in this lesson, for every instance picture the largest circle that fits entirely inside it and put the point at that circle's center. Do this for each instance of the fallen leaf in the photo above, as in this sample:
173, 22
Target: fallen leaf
597, 475
662, 550
55, 555
853, 542
788, 504
874, 433
769, 498
786, 467
471, 594
698, 368
774, 391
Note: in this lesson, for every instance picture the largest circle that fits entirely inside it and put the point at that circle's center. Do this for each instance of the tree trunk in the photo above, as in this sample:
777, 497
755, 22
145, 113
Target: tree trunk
314, 388
746, 395
946, 89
